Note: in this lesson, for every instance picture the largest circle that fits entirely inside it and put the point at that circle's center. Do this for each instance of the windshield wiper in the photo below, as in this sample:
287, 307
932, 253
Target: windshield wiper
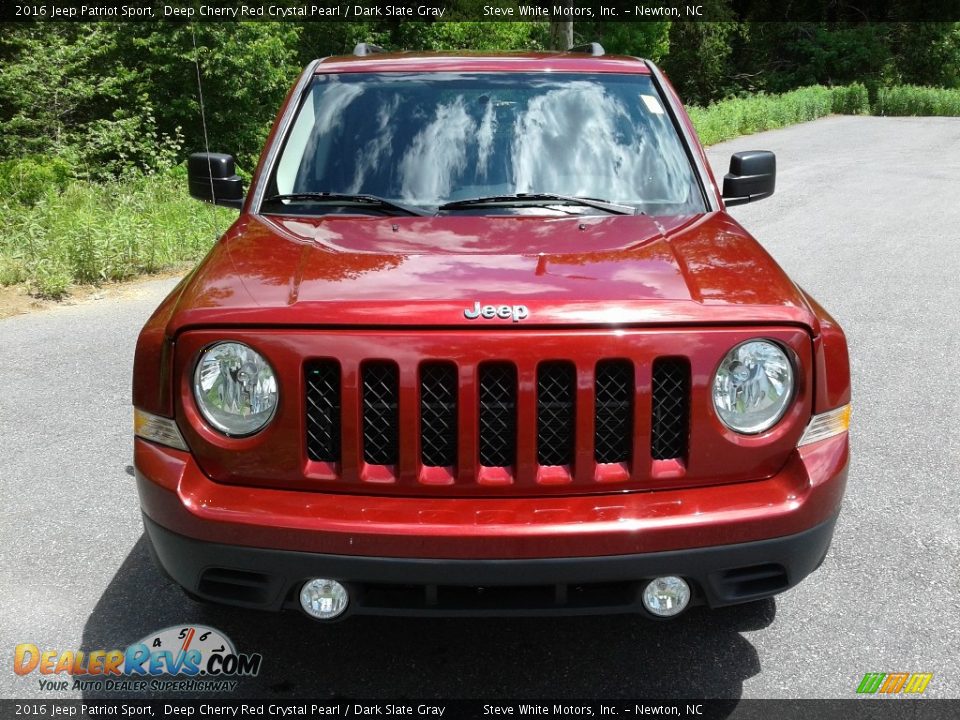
330, 198
540, 199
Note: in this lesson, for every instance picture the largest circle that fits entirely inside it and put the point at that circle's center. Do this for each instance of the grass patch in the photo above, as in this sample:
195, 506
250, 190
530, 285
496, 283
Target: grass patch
914, 100
91, 233
732, 118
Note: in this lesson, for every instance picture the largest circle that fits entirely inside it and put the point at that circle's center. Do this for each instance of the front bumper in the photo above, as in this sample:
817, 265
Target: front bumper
270, 579
578, 554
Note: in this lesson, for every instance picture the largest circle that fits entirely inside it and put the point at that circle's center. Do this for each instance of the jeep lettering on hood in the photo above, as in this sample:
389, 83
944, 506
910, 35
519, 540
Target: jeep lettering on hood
504, 312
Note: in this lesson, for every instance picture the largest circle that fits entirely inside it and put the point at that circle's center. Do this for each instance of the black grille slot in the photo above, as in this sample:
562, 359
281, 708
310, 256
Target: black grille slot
670, 423
498, 414
323, 410
613, 423
753, 581
380, 418
556, 388
438, 414
229, 585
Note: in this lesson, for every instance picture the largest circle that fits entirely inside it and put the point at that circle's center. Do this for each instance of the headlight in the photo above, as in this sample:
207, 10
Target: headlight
235, 388
753, 386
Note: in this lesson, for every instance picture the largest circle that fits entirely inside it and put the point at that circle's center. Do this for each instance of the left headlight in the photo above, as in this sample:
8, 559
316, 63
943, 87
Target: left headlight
753, 386
235, 388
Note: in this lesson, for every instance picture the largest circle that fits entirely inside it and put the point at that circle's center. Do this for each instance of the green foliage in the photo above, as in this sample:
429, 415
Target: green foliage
778, 57
851, 99
913, 100
26, 180
12, 271
245, 68
100, 232
743, 116
924, 54
52, 81
700, 54
115, 98
480, 36
320, 39
647, 39
66, 91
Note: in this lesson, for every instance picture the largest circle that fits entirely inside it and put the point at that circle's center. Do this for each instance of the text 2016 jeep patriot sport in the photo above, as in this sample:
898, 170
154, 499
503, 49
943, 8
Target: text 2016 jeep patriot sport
483, 339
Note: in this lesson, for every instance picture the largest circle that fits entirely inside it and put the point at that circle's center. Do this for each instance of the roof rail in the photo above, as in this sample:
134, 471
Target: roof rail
594, 49
363, 49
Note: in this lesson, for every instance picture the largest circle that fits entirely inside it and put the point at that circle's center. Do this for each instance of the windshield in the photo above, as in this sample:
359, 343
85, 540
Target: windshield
427, 139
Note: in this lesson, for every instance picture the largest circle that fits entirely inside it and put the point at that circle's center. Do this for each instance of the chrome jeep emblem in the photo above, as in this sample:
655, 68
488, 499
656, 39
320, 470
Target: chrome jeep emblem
504, 312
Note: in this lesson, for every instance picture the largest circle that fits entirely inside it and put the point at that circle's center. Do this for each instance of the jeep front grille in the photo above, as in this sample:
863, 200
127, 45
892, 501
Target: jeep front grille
489, 409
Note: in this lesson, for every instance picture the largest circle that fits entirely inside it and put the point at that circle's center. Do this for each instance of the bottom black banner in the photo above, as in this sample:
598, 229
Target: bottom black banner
853, 709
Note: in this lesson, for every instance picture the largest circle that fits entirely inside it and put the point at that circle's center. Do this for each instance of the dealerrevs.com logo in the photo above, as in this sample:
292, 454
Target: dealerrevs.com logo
191, 658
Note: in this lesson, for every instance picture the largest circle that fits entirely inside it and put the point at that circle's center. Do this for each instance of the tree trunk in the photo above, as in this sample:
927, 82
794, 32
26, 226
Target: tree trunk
561, 31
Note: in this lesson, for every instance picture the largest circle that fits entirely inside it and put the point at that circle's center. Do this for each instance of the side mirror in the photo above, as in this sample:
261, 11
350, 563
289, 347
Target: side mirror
752, 176
213, 178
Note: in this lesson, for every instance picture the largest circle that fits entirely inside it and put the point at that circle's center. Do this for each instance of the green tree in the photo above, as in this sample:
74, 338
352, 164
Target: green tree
699, 56
461, 36
54, 80
924, 54
245, 72
649, 40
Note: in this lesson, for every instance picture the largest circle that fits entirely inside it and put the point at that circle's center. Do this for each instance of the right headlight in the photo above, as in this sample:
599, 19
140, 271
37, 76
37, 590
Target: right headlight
235, 388
753, 386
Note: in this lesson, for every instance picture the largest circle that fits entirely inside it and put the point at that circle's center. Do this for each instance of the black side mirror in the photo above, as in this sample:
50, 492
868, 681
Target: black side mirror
752, 176
213, 178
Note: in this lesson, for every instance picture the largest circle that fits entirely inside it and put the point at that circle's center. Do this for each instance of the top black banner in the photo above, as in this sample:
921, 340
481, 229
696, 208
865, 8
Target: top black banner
846, 11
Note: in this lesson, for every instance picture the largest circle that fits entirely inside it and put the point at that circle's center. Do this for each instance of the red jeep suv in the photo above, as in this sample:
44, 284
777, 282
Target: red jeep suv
484, 340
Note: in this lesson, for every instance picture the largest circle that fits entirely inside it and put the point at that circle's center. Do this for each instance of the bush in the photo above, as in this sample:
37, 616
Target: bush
743, 116
915, 100
851, 100
12, 271
100, 232
26, 180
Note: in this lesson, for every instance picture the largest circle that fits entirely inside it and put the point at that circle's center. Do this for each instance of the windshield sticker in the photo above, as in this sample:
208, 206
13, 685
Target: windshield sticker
653, 105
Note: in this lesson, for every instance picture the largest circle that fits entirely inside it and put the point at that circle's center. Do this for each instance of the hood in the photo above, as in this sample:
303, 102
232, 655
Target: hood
411, 271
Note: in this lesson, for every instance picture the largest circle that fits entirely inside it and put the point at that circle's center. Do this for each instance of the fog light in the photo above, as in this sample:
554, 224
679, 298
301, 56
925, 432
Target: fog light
666, 596
324, 599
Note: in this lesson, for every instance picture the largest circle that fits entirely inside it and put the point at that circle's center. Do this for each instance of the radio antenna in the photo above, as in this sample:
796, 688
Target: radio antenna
203, 122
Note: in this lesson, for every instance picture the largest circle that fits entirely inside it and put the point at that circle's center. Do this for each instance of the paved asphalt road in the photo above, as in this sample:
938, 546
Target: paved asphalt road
866, 218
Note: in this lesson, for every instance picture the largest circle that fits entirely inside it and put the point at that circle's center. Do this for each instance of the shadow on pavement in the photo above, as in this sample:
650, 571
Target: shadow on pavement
700, 655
